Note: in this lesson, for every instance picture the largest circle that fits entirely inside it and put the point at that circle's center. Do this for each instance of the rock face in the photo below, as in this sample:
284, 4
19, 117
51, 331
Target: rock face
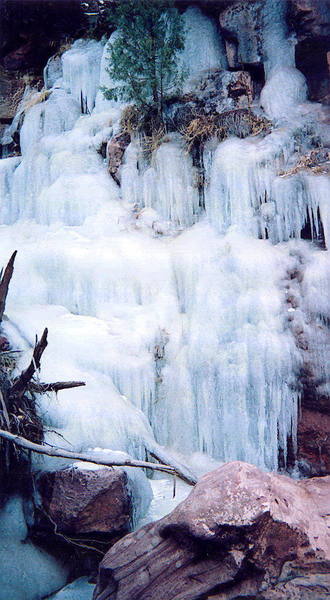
310, 19
240, 27
240, 533
11, 91
84, 502
218, 92
314, 442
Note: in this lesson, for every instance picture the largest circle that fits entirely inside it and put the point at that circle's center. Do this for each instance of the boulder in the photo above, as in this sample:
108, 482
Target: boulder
86, 502
240, 533
115, 152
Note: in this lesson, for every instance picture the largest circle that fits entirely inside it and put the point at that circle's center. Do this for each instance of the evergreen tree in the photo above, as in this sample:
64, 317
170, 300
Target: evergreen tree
143, 57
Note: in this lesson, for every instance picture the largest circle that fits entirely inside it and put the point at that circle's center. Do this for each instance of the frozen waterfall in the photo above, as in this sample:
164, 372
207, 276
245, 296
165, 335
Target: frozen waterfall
189, 312
173, 307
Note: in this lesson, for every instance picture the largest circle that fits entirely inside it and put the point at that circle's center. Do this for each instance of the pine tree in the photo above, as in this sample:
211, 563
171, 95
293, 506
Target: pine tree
143, 56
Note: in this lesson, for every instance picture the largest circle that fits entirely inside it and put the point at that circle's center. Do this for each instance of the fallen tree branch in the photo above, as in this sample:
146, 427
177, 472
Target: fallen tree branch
58, 452
21, 383
43, 388
163, 456
4, 283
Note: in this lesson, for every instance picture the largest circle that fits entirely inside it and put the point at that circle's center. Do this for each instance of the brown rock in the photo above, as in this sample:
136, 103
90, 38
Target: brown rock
11, 92
234, 535
20, 58
241, 25
314, 442
115, 152
86, 502
310, 18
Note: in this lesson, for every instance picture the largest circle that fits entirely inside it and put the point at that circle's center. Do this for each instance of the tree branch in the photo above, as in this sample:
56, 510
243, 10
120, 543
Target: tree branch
43, 388
21, 383
53, 451
4, 283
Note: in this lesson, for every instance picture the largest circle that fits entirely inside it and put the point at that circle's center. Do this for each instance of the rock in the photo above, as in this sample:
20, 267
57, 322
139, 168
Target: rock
310, 20
314, 442
115, 152
86, 502
20, 58
240, 533
4, 343
11, 91
241, 26
218, 92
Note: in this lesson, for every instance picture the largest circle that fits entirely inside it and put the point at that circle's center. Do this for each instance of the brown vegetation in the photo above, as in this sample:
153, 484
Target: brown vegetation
240, 122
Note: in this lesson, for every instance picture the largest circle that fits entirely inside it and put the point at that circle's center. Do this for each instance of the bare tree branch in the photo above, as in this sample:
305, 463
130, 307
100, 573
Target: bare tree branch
4, 283
21, 383
53, 451
43, 388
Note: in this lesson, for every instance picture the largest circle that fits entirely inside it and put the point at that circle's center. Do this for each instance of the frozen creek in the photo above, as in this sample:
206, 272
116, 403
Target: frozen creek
179, 317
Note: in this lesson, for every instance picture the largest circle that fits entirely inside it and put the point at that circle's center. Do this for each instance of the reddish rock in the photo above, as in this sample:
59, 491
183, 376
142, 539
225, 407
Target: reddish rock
21, 58
239, 533
11, 92
314, 442
241, 27
83, 502
310, 18
115, 152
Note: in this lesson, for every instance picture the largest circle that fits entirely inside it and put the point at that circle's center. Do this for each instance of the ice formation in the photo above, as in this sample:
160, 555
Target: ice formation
203, 50
27, 572
171, 306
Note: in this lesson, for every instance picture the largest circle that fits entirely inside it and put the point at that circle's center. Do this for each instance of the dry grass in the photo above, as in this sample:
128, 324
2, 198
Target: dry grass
240, 122
63, 47
130, 119
36, 98
200, 129
148, 127
316, 161
16, 97
150, 143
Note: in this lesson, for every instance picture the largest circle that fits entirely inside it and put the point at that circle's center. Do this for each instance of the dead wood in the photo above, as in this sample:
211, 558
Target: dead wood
59, 452
21, 383
4, 283
43, 388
